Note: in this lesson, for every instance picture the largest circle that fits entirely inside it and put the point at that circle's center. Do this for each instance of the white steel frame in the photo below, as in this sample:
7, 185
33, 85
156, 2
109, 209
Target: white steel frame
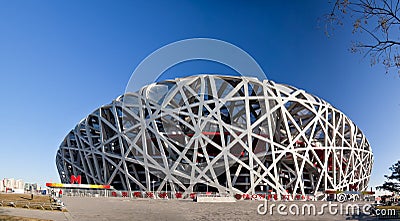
232, 134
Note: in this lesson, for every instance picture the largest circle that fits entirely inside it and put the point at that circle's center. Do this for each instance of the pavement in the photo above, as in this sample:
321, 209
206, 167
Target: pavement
31, 213
81, 208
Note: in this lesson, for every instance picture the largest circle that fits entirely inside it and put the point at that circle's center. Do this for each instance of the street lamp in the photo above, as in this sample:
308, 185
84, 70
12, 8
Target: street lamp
166, 188
153, 181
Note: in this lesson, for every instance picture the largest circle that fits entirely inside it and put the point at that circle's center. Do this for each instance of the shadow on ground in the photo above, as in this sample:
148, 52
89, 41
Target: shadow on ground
362, 217
2, 211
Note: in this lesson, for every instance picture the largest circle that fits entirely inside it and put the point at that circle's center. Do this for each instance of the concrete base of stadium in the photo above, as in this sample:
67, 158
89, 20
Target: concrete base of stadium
215, 199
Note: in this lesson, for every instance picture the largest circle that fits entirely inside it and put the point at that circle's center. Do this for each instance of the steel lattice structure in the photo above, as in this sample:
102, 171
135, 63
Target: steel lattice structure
218, 133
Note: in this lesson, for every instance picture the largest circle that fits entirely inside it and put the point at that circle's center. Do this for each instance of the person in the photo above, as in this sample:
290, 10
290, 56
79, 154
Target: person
60, 193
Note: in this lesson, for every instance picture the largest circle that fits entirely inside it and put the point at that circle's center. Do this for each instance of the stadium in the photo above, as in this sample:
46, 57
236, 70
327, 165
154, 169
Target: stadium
214, 133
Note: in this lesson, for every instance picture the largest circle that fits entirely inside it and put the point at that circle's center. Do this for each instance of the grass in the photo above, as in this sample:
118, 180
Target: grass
7, 217
25, 201
25, 197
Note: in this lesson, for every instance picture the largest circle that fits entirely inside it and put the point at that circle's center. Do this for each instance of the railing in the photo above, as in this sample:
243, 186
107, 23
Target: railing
211, 194
87, 193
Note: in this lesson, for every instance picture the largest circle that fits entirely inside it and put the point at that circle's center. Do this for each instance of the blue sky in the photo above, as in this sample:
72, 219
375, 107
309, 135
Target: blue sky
60, 60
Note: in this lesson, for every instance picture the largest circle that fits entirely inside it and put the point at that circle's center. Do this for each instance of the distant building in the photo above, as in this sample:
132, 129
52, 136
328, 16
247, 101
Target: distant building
31, 187
12, 184
19, 184
8, 182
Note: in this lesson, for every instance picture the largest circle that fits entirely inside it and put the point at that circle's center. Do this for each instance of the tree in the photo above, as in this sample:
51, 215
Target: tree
393, 181
379, 20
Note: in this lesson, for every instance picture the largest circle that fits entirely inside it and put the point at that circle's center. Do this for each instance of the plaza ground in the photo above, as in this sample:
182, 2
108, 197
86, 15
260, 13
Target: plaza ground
80, 208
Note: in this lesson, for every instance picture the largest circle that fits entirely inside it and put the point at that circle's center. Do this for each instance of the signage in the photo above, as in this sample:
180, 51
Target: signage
76, 179
82, 186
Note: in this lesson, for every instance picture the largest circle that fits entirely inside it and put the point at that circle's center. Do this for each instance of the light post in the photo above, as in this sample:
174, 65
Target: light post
153, 181
266, 194
166, 188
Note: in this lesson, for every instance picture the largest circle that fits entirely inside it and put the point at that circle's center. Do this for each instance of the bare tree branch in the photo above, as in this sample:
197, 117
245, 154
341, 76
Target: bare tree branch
379, 19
